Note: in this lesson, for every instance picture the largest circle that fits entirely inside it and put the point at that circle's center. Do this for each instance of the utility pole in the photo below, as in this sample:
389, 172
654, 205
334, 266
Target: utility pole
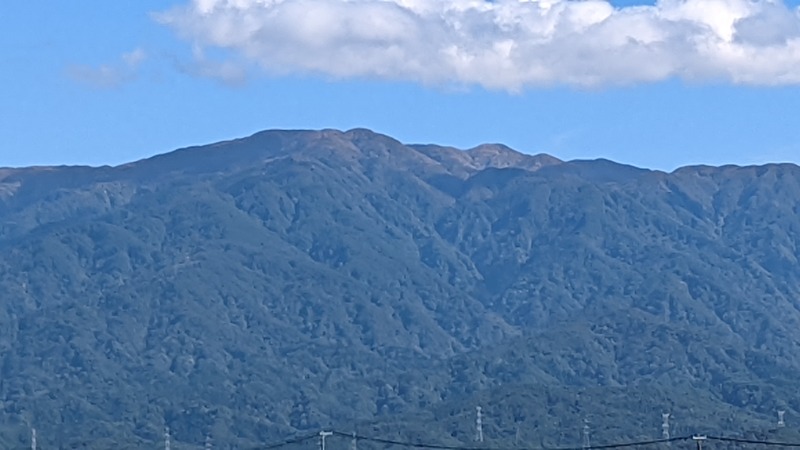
354, 442
699, 440
322, 436
781, 422
665, 425
478, 424
33, 438
167, 443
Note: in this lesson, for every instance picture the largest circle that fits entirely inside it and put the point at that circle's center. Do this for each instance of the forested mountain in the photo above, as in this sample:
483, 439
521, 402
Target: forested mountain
291, 281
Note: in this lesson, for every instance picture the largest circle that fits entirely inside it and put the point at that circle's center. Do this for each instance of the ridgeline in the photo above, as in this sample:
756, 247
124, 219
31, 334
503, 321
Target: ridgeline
293, 281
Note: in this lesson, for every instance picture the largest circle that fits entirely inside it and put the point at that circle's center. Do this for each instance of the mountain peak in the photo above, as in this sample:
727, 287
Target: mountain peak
347, 147
501, 156
274, 276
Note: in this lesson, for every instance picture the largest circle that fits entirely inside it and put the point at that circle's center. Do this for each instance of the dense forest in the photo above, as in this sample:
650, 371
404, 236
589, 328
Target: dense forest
272, 286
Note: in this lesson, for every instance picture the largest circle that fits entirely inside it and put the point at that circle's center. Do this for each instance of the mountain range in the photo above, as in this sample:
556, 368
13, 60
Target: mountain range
292, 281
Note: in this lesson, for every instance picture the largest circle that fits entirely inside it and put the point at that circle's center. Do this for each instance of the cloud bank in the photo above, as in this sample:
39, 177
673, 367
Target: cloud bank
504, 44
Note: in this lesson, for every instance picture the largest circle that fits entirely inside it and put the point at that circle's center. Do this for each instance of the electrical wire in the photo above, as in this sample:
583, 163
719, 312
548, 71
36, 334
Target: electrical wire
753, 441
462, 447
297, 440
430, 446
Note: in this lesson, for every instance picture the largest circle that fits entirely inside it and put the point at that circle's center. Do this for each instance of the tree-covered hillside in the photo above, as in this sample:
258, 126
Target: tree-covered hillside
259, 288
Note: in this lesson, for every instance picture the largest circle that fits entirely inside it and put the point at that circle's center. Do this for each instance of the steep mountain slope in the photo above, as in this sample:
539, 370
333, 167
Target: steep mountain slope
295, 280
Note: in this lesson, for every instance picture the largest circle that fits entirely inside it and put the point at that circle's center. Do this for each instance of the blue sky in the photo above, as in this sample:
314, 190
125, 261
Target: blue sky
98, 82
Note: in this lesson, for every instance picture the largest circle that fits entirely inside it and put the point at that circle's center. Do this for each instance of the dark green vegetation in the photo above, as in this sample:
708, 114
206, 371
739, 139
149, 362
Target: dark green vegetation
290, 281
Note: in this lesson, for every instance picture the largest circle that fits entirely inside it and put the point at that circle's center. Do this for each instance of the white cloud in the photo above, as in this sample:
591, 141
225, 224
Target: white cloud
109, 76
504, 44
228, 72
134, 58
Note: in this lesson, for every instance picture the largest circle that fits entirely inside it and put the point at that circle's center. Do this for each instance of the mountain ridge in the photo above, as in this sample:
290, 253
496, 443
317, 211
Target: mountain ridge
290, 281
480, 149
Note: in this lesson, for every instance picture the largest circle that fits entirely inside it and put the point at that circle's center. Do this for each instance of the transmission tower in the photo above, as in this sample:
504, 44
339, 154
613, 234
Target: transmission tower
33, 438
665, 425
478, 424
208, 442
354, 442
586, 442
781, 422
167, 443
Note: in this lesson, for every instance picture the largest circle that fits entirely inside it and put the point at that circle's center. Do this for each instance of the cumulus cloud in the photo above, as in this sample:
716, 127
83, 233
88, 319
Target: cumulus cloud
109, 76
504, 44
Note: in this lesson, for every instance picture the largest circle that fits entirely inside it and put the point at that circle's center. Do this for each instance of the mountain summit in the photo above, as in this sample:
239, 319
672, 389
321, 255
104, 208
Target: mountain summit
291, 281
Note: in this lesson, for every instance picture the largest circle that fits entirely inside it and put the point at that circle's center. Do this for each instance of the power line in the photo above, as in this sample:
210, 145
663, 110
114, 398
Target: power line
313, 436
297, 440
632, 444
463, 447
409, 444
146, 444
753, 441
